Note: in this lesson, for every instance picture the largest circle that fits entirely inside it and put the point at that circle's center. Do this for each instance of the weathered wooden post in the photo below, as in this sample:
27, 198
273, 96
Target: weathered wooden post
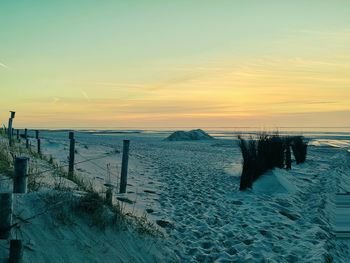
38, 142
124, 171
71, 155
20, 176
5, 215
109, 196
9, 130
26, 137
16, 251
39, 146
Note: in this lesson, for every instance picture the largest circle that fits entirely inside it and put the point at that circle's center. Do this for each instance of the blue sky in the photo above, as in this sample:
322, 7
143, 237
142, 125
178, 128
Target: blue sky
175, 63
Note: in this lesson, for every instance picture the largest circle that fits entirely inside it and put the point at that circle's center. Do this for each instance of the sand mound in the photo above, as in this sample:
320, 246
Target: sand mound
276, 181
193, 135
58, 235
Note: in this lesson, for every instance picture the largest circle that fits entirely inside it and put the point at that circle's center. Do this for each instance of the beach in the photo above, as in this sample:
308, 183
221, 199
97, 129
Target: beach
190, 190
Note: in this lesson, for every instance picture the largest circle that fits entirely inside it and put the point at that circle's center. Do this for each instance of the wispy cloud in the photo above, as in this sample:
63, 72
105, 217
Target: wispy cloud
4, 66
339, 33
175, 81
106, 84
55, 100
85, 95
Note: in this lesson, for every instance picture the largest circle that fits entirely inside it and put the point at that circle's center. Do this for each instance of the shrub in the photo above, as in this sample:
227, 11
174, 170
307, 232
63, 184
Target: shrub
299, 149
267, 152
248, 149
90, 203
6, 160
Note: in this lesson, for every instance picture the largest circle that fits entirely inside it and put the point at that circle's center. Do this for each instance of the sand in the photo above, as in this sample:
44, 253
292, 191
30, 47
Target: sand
191, 190
62, 236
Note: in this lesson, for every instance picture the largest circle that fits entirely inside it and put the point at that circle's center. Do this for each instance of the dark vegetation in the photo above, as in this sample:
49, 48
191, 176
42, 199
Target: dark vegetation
266, 152
6, 160
299, 149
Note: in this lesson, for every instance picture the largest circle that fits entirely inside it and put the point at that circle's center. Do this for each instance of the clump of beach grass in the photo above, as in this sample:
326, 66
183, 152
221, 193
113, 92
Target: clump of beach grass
299, 147
266, 152
86, 203
6, 160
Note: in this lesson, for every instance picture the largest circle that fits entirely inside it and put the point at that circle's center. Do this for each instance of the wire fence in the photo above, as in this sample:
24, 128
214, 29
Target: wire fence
95, 164
6, 179
16, 150
85, 160
67, 165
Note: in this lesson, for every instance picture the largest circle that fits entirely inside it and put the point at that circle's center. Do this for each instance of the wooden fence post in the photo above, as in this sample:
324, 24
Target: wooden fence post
124, 171
20, 176
26, 137
5, 215
9, 131
16, 251
38, 142
39, 146
71, 155
9, 128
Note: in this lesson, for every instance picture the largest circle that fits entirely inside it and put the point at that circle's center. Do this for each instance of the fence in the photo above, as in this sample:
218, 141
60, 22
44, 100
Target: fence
21, 175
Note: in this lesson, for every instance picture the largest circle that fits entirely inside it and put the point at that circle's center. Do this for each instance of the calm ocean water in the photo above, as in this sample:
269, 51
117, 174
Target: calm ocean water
342, 133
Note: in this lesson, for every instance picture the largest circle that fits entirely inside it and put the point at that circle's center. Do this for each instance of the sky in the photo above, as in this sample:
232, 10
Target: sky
271, 63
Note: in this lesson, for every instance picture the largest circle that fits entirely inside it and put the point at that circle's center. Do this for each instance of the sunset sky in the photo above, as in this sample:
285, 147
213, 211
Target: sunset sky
68, 64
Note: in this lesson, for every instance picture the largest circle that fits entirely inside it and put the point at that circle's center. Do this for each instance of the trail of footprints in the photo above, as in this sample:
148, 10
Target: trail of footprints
212, 221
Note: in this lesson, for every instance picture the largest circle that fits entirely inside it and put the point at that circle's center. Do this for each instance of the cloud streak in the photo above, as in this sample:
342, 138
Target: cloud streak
85, 95
4, 66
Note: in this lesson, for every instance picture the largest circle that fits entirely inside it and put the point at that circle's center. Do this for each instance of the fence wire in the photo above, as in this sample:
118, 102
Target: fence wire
85, 160
45, 210
97, 165
6, 179
66, 165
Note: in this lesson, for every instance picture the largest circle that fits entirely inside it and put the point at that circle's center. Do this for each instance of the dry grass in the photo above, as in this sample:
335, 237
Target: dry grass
266, 152
6, 160
91, 205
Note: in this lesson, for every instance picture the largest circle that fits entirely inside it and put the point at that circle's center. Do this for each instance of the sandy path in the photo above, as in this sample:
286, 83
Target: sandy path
194, 187
213, 221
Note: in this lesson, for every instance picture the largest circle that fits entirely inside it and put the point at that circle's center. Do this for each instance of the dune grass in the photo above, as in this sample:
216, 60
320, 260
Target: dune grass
99, 211
299, 147
6, 160
266, 152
